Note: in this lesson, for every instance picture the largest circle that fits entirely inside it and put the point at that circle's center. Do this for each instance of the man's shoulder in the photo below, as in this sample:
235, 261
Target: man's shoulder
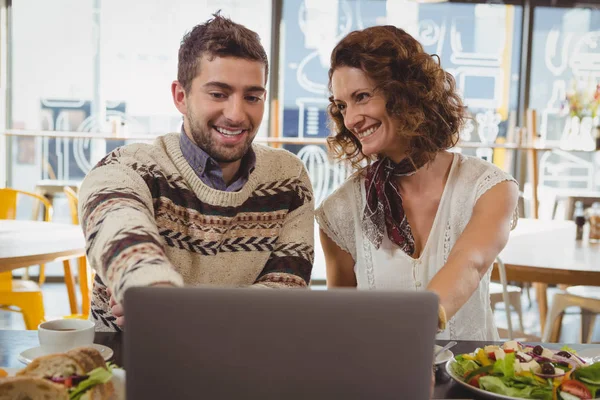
279, 156
277, 163
146, 153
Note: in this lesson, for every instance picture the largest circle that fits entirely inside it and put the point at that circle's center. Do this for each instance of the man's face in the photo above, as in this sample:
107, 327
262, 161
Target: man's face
225, 106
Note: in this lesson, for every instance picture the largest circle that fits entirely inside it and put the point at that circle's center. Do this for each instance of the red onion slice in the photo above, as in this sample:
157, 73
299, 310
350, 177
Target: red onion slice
579, 358
537, 358
570, 362
546, 376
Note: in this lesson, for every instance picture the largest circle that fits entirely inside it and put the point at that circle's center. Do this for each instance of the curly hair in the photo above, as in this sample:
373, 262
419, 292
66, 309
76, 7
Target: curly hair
217, 37
418, 93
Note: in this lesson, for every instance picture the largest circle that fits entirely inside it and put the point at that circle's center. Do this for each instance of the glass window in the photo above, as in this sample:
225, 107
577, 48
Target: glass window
85, 65
565, 63
478, 43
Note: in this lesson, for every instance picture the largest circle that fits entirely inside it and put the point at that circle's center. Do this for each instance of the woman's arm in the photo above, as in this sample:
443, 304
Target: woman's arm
476, 249
339, 263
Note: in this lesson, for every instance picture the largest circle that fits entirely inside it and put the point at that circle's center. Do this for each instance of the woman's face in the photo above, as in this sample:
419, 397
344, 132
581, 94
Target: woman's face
364, 113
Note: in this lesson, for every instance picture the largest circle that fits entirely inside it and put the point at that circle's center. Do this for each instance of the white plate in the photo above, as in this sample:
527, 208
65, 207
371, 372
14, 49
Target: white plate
480, 392
590, 355
442, 357
28, 355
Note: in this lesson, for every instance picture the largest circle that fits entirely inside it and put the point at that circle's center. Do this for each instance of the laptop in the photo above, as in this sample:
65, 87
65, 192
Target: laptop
215, 343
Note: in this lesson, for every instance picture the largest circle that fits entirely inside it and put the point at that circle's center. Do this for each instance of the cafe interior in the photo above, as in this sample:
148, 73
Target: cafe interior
80, 78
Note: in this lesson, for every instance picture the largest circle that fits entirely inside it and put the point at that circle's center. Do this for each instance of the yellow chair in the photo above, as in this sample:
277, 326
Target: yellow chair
85, 273
23, 294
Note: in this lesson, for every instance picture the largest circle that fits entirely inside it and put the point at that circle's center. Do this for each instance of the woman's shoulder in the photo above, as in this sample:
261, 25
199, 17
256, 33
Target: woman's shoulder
343, 201
477, 176
474, 169
345, 192
338, 213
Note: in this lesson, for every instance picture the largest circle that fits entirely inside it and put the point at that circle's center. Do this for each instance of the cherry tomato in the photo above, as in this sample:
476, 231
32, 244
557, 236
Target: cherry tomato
576, 388
475, 380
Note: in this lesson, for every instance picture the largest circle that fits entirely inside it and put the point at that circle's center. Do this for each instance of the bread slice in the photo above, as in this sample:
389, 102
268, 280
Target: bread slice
93, 359
53, 365
101, 392
92, 353
83, 359
27, 387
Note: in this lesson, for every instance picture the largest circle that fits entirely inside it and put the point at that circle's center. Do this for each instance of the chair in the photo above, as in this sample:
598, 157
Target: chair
23, 294
514, 298
48, 188
560, 303
505, 296
85, 273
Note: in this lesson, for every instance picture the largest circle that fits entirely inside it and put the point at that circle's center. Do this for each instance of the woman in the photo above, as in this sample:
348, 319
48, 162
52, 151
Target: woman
417, 217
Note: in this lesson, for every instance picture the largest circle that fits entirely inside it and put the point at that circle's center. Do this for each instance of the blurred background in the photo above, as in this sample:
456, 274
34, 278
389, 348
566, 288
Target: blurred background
79, 78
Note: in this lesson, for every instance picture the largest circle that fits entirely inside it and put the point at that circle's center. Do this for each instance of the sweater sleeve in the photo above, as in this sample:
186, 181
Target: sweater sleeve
291, 260
122, 240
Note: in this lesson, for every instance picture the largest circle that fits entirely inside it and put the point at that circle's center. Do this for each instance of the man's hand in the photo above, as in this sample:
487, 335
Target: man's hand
117, 309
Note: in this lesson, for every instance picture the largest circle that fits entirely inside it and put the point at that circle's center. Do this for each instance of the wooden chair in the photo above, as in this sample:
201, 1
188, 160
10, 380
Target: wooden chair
85, 273
562, 301
514, 298
25, 295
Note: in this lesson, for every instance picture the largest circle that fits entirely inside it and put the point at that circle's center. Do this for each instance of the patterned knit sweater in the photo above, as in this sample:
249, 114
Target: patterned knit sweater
148, 218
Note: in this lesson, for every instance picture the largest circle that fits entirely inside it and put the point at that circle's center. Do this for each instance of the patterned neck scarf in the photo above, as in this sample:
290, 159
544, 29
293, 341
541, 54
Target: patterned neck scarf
384, 210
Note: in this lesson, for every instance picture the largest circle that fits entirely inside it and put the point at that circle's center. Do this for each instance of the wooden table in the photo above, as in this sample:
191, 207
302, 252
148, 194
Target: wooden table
546, 252
14, 342
25, 243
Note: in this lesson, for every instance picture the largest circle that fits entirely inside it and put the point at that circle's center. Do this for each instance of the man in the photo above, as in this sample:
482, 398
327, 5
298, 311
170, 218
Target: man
205, 206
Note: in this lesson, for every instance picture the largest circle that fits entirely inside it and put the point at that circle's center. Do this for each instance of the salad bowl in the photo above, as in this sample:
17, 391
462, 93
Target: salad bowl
518, 371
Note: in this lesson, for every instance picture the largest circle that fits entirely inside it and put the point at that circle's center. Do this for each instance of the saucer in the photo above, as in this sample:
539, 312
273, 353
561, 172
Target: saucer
442, 357
28, 355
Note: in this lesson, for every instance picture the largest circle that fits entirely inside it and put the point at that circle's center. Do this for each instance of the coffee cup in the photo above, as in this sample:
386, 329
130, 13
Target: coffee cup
64, 334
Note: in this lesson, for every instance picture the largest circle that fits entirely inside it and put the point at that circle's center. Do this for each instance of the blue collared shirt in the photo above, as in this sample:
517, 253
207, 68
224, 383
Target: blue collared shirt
209, 171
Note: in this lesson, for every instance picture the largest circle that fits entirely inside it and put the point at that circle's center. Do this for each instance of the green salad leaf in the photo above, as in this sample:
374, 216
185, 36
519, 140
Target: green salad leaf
567, 348
97, 376
507, 387
462, 366
481, 370
589, 374
505, 366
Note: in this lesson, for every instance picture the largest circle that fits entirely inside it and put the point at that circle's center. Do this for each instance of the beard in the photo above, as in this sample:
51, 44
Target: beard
204, 138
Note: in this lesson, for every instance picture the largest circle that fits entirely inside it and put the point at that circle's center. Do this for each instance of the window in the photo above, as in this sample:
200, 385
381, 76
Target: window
478, 43
565, 58
79, 65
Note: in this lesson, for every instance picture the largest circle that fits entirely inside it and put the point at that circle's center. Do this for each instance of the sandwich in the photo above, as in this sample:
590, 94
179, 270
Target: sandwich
79, 374
27, 387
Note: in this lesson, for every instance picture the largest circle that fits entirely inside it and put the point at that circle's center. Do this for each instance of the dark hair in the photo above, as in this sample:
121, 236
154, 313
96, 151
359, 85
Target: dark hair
217, 37
418, 92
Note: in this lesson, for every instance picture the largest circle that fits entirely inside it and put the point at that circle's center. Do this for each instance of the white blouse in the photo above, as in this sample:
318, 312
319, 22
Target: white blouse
388, 267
